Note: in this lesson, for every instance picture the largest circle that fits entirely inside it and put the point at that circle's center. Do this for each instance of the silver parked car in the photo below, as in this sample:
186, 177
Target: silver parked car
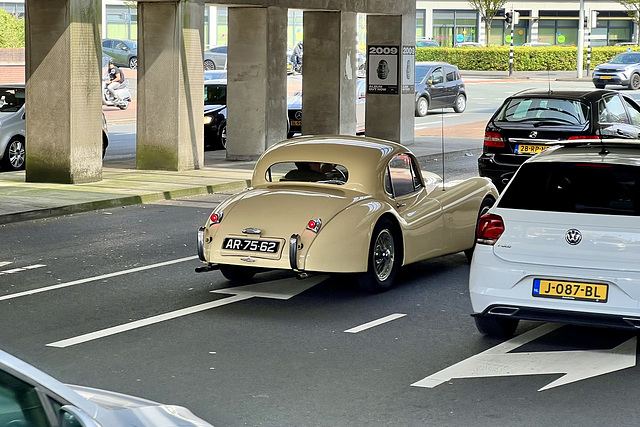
12, 126
215, 58
123, 52
30, 397
623, 69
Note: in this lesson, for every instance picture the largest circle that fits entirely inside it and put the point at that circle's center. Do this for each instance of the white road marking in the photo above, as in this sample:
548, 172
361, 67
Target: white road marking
19, 269
575, 365
374, 323
145, 322
93, 279
3, 263
278, 289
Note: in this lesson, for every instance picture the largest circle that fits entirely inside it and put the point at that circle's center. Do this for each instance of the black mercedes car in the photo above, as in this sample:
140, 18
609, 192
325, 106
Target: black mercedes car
530, 121
215, 114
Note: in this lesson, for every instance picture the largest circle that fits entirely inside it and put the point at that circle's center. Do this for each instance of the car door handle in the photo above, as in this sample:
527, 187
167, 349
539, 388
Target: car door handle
400, 205
620, 132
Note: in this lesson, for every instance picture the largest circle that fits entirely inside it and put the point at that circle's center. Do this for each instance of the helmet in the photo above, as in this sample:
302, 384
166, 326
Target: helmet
110, 61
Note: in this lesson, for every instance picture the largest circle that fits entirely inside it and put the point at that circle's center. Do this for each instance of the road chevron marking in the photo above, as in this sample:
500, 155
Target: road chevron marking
575, 365
3, 263
95, 278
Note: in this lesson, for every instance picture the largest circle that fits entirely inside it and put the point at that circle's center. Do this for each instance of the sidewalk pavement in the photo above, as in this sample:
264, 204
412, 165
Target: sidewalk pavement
23, 201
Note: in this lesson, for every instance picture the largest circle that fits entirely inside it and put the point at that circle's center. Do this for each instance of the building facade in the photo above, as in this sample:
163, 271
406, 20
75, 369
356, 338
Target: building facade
446, 21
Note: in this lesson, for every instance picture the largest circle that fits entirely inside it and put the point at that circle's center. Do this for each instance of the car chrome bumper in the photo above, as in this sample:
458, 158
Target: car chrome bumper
201, 244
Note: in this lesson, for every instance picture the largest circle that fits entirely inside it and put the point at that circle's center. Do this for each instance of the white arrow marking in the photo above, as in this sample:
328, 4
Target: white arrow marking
279, 289
576, 365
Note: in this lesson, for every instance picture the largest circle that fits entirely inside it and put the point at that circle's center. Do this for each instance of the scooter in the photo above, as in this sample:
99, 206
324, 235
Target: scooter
123, 93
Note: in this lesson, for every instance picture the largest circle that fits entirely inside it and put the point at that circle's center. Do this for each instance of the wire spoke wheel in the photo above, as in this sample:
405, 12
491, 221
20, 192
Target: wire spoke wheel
383, 255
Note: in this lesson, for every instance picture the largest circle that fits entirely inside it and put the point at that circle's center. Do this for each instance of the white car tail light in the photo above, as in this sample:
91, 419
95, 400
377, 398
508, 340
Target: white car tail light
490, 228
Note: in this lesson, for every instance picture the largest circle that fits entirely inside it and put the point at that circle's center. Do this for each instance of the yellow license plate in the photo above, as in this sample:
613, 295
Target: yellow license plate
296, 122
595, 292
605, 77
529, 149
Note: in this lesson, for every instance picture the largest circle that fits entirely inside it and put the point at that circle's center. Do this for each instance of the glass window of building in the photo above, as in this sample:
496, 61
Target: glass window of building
122, 22
421, 19
455, 26
222, 19
16, 9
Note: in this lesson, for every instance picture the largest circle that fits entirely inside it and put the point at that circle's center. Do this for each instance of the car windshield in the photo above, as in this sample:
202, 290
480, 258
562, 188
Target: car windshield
626, 58
215, 95
422, 71
11, 100
544, 110
326, 173
575, 187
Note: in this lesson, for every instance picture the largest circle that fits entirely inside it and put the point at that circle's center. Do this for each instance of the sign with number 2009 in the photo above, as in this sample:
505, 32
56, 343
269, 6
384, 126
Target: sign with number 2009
382, 69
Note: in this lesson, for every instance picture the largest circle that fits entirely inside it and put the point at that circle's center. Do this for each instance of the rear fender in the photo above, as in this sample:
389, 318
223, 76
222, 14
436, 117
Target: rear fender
342, 244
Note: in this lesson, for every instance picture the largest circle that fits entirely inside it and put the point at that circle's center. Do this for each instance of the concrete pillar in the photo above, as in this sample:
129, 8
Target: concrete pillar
170, 132
256, 80
63, 106
329, 73
391, 115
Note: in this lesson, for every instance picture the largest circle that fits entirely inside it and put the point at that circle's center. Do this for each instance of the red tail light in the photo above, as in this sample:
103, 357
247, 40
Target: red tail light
490, 228
493, 139
215, 218
573, 138
314, 225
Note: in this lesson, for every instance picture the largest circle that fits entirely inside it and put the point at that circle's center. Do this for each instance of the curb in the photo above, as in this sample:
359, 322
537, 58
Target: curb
123, 201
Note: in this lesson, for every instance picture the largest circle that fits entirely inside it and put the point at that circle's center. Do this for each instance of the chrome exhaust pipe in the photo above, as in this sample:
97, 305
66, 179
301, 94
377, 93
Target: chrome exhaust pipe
503, 311
632, 321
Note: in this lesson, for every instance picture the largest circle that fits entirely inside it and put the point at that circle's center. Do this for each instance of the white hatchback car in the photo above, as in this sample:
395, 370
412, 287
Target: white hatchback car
12, 126
562, 242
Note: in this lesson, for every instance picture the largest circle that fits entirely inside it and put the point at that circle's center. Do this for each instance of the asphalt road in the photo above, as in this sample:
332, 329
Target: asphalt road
238, 358
80, 297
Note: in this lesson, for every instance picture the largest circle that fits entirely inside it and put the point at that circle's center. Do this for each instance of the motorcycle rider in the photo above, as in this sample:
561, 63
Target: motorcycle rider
296, 58
116, 81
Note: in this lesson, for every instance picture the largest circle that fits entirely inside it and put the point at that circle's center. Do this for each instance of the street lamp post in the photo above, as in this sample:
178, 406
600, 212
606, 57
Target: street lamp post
580, 38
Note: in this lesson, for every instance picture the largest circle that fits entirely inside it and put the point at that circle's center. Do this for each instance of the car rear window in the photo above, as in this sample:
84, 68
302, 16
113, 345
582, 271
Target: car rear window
592, 188
548, 110
326, 173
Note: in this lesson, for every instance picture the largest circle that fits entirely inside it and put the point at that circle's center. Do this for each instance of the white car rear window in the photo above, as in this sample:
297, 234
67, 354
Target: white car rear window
592, 188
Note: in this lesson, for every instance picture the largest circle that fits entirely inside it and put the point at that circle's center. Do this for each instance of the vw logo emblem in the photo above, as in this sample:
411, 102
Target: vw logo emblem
298, 115
533, 134
573, 236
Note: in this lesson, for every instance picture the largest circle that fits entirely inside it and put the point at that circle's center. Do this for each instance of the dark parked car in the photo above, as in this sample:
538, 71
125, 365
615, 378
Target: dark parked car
439, 85
623, 69
215, 114
123, 52
530, 121
294, 109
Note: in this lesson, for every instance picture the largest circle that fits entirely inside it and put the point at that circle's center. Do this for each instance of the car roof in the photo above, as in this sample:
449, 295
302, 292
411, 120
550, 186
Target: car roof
578, 95
607, 151
12, 86
434, 64
365, 158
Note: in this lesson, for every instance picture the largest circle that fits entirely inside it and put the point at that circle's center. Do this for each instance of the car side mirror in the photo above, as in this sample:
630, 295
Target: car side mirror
430, 81
71, 416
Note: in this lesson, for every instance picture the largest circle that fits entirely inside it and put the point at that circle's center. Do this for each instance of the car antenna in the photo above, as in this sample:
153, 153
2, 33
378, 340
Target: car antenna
442, 143
603, 150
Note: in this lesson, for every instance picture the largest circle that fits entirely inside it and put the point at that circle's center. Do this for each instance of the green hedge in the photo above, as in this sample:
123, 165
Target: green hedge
525, 58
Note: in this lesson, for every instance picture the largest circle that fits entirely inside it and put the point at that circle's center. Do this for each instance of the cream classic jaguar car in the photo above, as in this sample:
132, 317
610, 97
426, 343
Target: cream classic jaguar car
341, 204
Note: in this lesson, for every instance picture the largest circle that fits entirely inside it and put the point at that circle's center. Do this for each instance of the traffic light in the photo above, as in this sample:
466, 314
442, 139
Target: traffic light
508, 16
516, 17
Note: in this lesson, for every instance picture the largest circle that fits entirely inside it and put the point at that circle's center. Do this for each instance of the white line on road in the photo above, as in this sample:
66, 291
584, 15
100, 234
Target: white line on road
20, 269
145, 322
93, 279
374, 323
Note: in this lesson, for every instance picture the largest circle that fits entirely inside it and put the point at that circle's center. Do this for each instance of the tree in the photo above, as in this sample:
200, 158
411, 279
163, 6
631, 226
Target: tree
488, 9
11, 30
633, 10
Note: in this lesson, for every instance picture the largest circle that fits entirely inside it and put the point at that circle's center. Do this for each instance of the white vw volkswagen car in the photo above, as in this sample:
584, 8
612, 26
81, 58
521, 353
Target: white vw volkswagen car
562, 243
